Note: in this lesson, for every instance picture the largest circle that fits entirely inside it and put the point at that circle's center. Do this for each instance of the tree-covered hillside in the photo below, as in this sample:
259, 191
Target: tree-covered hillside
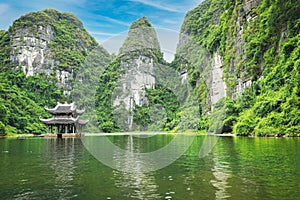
118, 79
129, 95
58, 44
70, 43
22, 101
241, 57
259, 43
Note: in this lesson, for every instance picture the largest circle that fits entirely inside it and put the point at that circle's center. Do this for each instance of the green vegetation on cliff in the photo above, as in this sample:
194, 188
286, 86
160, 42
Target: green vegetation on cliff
107, 83
258, 43
22, 99
140, 53
70, 43
261, 45
4, 48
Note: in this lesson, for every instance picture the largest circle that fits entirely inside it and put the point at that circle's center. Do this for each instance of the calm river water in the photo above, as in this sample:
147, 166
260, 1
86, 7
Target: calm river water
236, 168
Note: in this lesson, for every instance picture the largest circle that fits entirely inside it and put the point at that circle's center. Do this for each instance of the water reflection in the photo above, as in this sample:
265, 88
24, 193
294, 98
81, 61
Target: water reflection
62, 155
221, 172
137, 185
113, 156
237, 168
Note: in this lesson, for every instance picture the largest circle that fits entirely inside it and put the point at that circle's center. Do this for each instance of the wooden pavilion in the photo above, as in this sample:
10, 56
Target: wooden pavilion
65, 119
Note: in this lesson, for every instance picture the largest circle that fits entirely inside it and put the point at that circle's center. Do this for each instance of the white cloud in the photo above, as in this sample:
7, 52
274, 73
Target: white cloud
61, 5
7, 15
109, 19
170, 21
160, 6
4, 8
135, 13
102, 33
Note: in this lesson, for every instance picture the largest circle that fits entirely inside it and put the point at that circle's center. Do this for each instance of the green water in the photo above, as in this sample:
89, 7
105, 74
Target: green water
236, 168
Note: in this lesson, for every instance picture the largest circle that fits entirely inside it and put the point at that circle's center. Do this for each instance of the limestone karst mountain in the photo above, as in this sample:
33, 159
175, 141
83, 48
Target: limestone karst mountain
40, 55
134, 73
242, 56
50, 42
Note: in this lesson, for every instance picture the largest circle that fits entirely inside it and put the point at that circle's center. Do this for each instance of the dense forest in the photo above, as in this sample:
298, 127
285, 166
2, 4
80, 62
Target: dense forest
267, 54
259, 45
141, 42
23, 98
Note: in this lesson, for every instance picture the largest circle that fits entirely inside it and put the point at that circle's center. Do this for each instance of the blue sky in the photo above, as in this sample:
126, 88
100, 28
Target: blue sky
105, 18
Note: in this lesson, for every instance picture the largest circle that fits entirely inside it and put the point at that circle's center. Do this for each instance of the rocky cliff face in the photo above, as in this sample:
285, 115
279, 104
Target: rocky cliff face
217, 84
139, 75
218, 27
30, 50
251, 54
49, 42
123, 85
138, 59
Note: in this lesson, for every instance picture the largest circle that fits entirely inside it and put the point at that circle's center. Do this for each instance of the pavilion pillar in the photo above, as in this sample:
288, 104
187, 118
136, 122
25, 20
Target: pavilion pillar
59, 132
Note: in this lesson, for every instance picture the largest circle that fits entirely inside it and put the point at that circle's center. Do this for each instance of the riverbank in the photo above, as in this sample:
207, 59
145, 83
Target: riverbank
65, 135
20, 136
186, 133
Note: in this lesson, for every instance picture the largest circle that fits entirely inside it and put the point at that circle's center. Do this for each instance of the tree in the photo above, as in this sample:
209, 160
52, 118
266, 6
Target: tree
2, 128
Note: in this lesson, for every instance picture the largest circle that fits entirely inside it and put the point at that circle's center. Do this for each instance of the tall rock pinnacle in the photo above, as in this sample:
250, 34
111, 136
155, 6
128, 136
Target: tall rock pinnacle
135, 69
141, 36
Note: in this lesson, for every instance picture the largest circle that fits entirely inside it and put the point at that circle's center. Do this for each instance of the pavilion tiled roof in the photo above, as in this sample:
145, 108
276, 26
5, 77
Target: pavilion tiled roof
61, 115
64, 109
59, 121
63, 121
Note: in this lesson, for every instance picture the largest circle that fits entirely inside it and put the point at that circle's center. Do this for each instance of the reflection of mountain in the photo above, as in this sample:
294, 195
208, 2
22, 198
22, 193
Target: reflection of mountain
137, 185
62, 163
221, 169
221, 172
228, 171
